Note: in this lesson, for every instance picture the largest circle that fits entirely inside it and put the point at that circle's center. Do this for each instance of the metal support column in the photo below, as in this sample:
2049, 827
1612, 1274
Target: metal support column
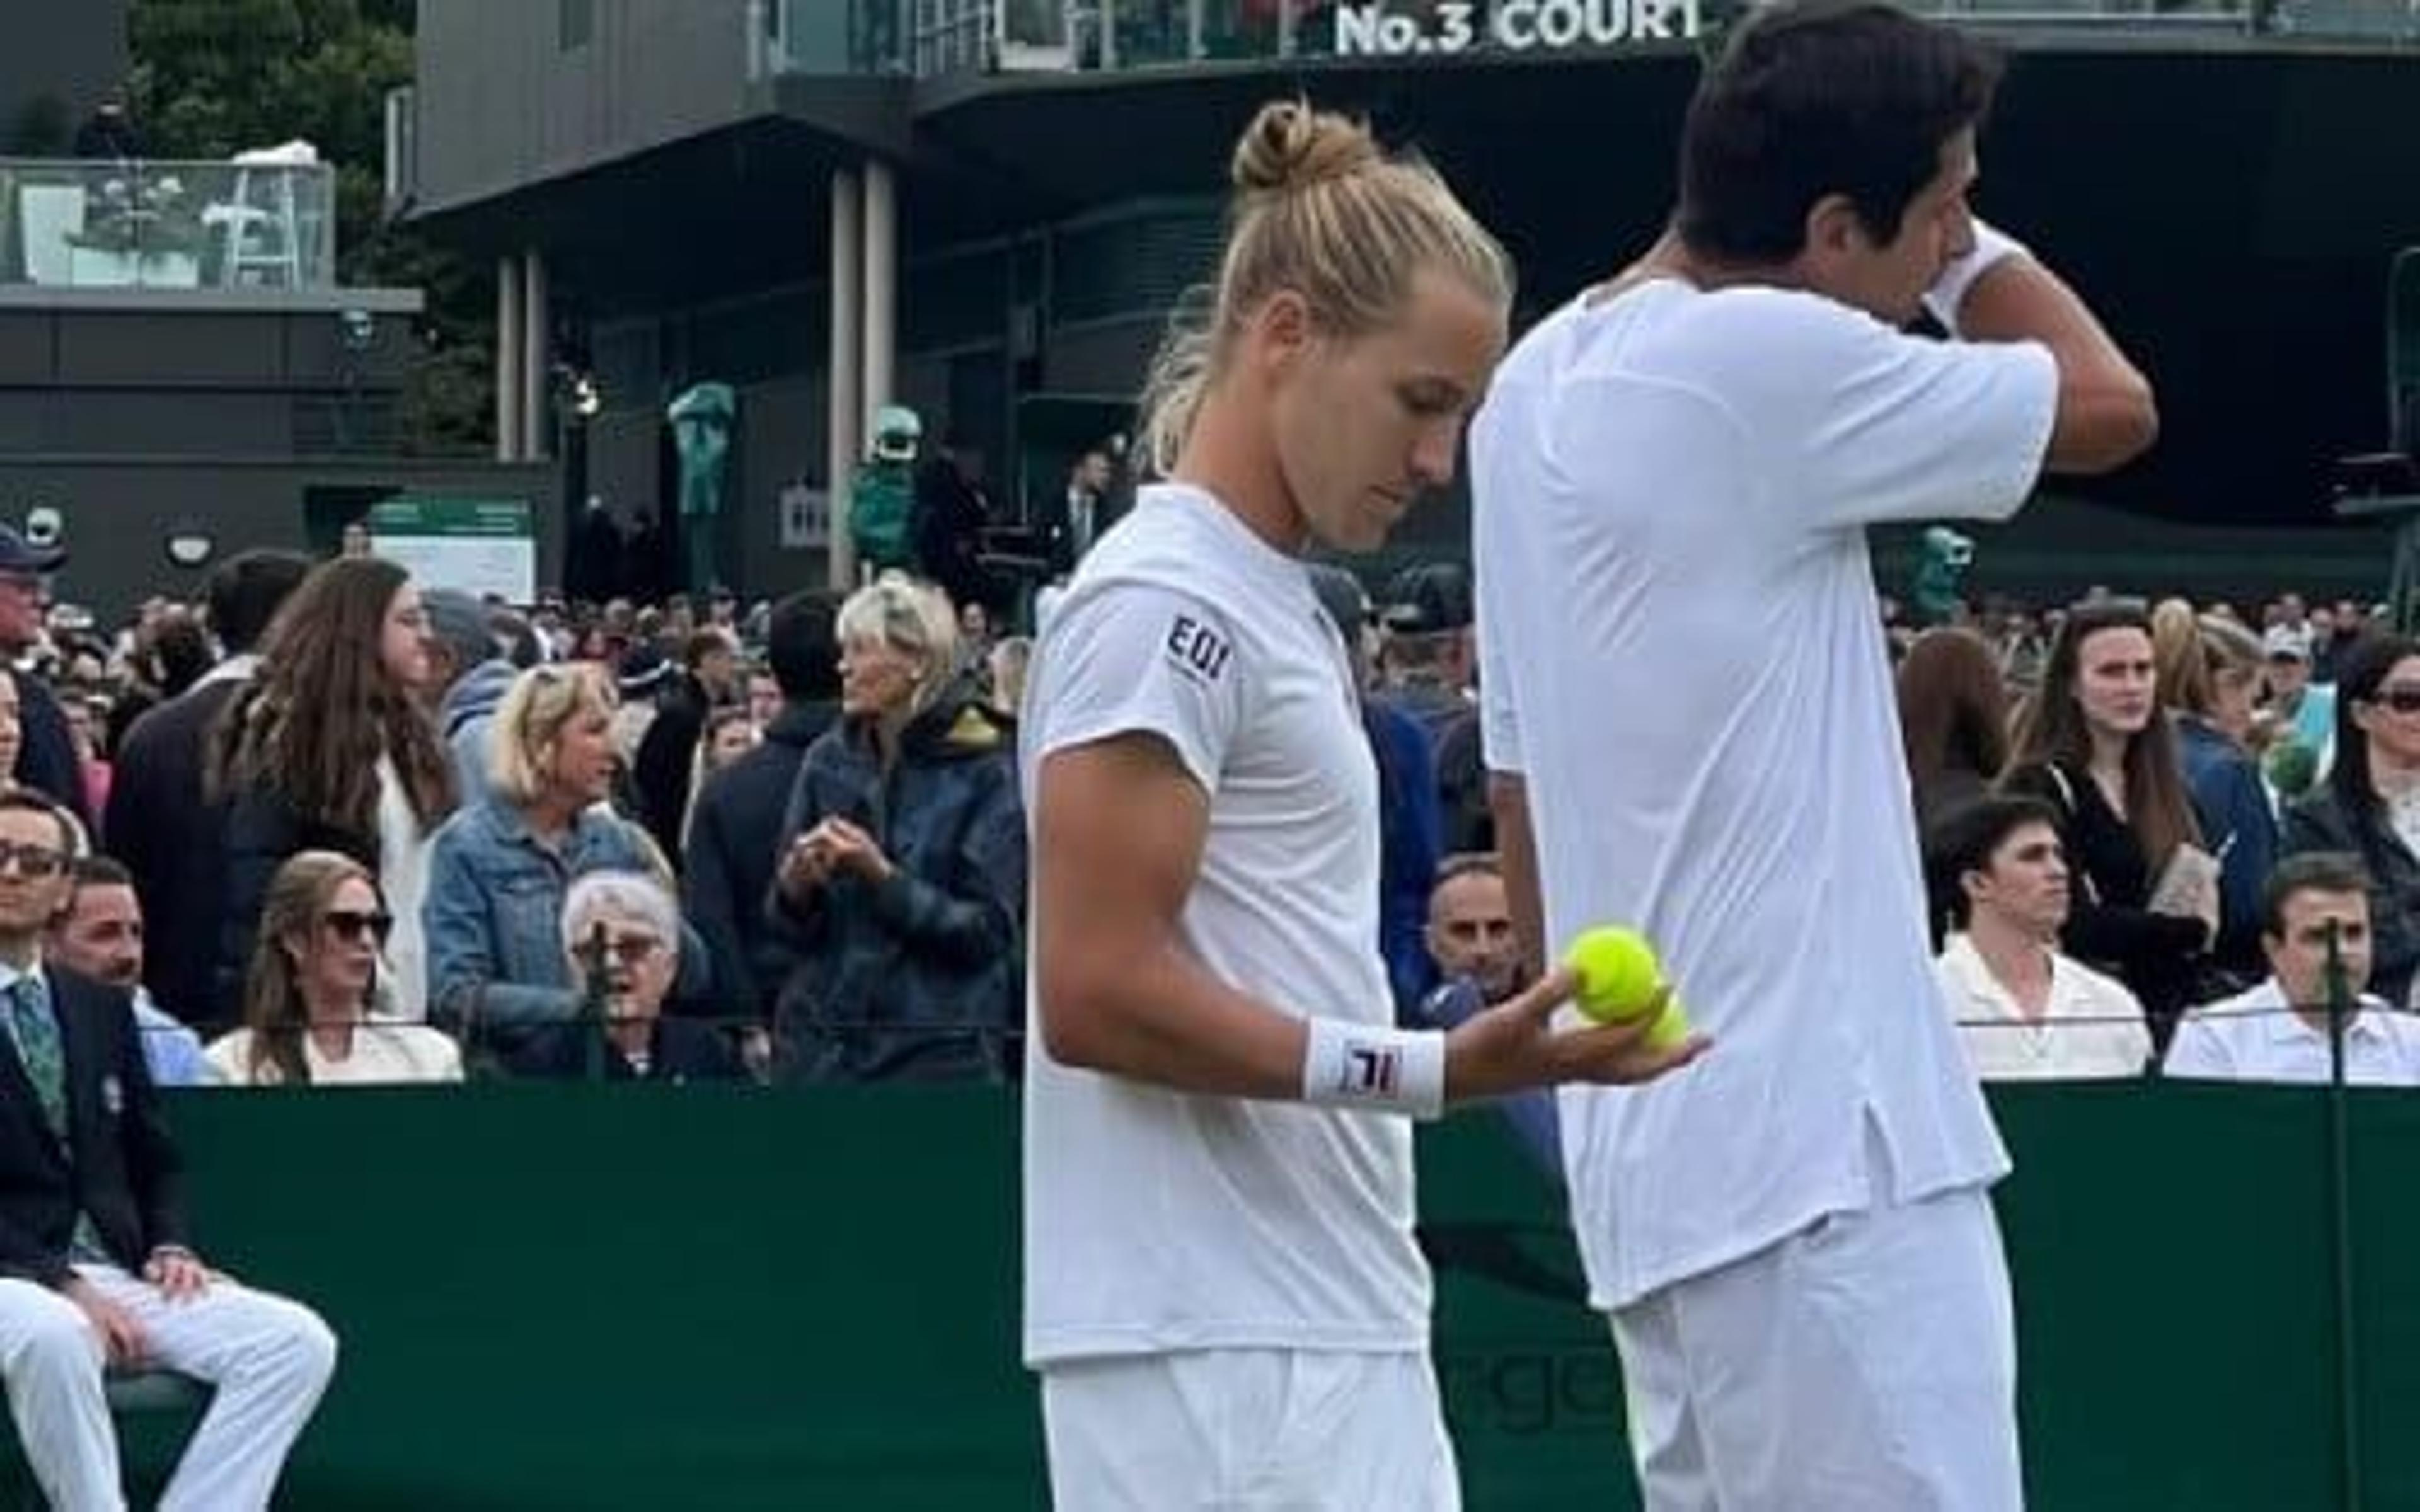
844, 369
508, 360
537, 358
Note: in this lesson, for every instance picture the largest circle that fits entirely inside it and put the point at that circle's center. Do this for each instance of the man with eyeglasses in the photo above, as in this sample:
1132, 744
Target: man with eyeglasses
94, 1268
46, 756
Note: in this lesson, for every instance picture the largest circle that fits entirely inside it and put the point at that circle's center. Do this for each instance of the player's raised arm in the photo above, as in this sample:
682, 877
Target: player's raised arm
2106, 413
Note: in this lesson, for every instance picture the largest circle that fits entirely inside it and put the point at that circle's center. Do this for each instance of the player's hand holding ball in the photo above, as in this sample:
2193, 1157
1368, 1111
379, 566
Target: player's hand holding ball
1612, 977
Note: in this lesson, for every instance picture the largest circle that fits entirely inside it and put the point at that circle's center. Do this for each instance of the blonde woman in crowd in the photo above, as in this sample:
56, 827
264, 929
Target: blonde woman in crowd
312, 1013
902, 880
332, 746
499, 870
2210, 670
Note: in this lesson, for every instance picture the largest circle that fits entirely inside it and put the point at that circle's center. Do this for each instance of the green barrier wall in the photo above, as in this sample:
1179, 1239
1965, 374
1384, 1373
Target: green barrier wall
604, 1298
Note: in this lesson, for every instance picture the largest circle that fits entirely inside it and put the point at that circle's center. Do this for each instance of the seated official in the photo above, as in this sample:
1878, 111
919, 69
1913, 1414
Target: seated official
313, 1013
2024, 1011
624, 925
2279, 1030
94, 1266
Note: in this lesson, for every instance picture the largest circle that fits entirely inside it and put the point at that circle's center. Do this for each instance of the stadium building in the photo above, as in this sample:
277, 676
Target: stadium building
985, 209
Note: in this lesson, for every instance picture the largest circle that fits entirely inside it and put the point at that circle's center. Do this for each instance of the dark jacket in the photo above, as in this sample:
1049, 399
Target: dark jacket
916, 977
728, 869
679, 1050
1409, 836
46, 757
2159, 957
2320, 822
262, 828
667, 754
118, 1165
159, 825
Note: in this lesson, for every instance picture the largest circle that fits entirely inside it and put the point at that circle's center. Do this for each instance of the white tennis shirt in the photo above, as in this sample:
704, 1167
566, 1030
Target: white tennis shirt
1157, 1219
1682, 652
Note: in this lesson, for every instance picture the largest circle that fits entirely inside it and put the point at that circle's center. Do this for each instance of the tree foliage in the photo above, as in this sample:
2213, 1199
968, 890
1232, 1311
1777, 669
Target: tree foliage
215, 77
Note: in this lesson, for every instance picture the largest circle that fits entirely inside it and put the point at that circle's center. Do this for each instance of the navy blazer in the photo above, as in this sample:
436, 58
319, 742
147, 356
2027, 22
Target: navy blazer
117, 1164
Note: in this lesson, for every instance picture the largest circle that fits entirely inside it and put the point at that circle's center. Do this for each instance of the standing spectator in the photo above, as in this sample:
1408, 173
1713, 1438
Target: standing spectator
727, 874
160, 822
499, 868
2368, 804
100, 937
902, 862
665, 760
311, 1010
46, 758
1075, 518
332, 748
94, 1265
2096, 746
470, 673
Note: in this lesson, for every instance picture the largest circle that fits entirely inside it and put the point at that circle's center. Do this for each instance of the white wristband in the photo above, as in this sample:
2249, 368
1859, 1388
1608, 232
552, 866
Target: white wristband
1947, 295
1369, 1066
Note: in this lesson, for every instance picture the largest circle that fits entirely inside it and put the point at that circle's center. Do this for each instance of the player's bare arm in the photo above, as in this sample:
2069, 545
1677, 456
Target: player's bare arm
1119, 827
2106, 413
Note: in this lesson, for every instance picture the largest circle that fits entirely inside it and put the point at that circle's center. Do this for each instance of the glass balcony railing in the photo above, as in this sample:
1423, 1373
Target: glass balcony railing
925, 38
167, 225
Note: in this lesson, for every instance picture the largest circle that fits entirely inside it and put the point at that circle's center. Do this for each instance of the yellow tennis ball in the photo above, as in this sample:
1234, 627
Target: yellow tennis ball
1619, 973
1618, 979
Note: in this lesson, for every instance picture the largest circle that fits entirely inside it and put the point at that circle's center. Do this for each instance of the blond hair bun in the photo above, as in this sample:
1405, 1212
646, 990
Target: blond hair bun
1290, 147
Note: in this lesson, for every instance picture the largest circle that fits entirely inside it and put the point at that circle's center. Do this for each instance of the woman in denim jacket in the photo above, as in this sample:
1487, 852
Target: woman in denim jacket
902, 880
499, 868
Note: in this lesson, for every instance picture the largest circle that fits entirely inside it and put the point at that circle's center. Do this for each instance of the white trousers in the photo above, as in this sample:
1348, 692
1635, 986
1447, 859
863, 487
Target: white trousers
1248, 1430
269, 1358
1867, 1365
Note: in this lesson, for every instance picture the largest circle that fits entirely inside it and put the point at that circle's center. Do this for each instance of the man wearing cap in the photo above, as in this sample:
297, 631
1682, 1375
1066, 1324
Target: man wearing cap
46, 757
2301, 710
1426, 672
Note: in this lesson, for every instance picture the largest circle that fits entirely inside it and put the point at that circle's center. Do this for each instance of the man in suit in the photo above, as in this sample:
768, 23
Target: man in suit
1074, 521
732, 834
158, 823
94, 1268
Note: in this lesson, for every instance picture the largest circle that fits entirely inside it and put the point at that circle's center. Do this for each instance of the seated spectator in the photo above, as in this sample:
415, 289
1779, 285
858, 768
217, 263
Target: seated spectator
96, 1267
2368, 802
100, 935
625, 924
499, 868
312, 1008
2279, 1030
1953, 721
1478, 962
2210, 668
2024, 1012
901, 884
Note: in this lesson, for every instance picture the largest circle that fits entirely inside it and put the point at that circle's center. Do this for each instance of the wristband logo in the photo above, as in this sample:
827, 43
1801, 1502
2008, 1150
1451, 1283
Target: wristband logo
1372, 1071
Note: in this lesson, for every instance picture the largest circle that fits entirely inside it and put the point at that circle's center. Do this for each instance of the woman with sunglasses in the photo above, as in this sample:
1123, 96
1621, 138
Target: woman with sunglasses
312, 1004
2096, 745
2369, 802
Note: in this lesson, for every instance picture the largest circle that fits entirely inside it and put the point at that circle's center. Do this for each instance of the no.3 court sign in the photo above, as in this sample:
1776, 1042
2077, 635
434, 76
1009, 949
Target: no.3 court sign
1451, 26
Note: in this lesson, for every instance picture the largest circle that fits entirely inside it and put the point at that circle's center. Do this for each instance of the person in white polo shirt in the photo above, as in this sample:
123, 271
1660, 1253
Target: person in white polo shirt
2024, 1011
2279, 1030
1690, 722
1222, 1292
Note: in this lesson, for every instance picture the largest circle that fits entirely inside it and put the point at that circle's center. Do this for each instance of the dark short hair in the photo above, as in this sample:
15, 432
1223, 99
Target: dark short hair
2332, 872
1813, 97
1964, 838
246, 592
100, 872
801, 648
32, 800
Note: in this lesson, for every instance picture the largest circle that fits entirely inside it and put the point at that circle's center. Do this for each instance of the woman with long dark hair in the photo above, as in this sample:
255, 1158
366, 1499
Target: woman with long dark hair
1953, 719
2369, 802
332, 746
2095, 745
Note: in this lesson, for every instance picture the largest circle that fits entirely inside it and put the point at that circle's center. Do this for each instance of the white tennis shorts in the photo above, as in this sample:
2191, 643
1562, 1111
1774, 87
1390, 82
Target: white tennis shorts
1864, 1365
1248, 1430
